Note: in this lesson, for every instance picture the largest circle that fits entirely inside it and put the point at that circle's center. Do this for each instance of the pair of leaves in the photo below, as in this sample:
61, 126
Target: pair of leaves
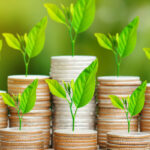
26, 99
135, 101
126, 41
82, 13
83, 88
34, 41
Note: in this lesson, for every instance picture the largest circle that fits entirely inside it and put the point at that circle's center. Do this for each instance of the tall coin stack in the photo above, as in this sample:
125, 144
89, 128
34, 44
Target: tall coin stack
67, 68
145, 115
3, 113
109, 117
39, 117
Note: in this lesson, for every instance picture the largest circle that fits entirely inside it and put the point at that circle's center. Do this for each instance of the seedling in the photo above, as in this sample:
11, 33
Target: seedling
30, 45
77, 18
121, 45
132, 105
23, 103
77, 94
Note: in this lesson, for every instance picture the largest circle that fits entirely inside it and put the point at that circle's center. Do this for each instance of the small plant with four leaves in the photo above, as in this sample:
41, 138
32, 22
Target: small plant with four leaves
121, 45
132, 105
23, 103
77, 18
30, 45
78, 93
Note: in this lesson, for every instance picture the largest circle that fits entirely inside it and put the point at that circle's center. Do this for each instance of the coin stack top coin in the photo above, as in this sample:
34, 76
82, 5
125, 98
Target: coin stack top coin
80, 139
109, 117
13, 138
39, 117
124, 140
67, 68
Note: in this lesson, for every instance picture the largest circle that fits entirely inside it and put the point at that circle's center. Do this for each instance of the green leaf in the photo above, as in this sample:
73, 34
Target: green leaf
8, 100
104, 41
84, 86
56, 89
72, 9
147, 52
83, 15
127, 39
72, 84
116, 102
28, 97
36, 39
12, 41
55, 13
1, 44
137, 99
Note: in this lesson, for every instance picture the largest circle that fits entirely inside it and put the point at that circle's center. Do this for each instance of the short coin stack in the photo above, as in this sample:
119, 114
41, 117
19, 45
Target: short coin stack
110, 118
12, 139
145, 115
3, 113
67, 68
124, 141
68, 140
39, 117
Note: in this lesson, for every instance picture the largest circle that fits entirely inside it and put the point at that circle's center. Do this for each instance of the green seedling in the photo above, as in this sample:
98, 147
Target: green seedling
77, 18
132, 105
121, 44
78, 93
30, 45
23, 103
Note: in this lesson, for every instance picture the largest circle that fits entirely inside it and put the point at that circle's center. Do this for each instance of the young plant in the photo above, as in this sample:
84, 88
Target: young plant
23, 103
77, 94
121, 45
31, 44
132, 105
77, 18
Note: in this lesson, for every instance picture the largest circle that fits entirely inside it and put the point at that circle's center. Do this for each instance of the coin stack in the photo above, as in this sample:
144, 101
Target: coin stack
68, 140
134, 141
67, 68
109, 117
145, 114
39, 117
12, 138
3, 113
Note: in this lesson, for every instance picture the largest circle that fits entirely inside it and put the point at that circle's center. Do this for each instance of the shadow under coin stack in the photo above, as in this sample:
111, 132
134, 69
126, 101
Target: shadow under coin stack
40, 116
109, 117
145, 114
3, 113
67, 68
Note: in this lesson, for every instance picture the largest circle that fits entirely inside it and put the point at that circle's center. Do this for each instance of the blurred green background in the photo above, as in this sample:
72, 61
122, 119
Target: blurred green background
19, 16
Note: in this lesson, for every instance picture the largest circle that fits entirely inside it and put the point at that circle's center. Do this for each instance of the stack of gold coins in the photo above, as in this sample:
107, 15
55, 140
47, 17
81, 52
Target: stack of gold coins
39, 117
3, 113
145, 114
78, 140
109, 117
28, 139
68, 68
124, 141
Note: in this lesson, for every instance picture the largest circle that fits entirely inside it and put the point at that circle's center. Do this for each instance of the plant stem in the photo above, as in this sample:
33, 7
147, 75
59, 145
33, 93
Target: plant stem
128, 126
